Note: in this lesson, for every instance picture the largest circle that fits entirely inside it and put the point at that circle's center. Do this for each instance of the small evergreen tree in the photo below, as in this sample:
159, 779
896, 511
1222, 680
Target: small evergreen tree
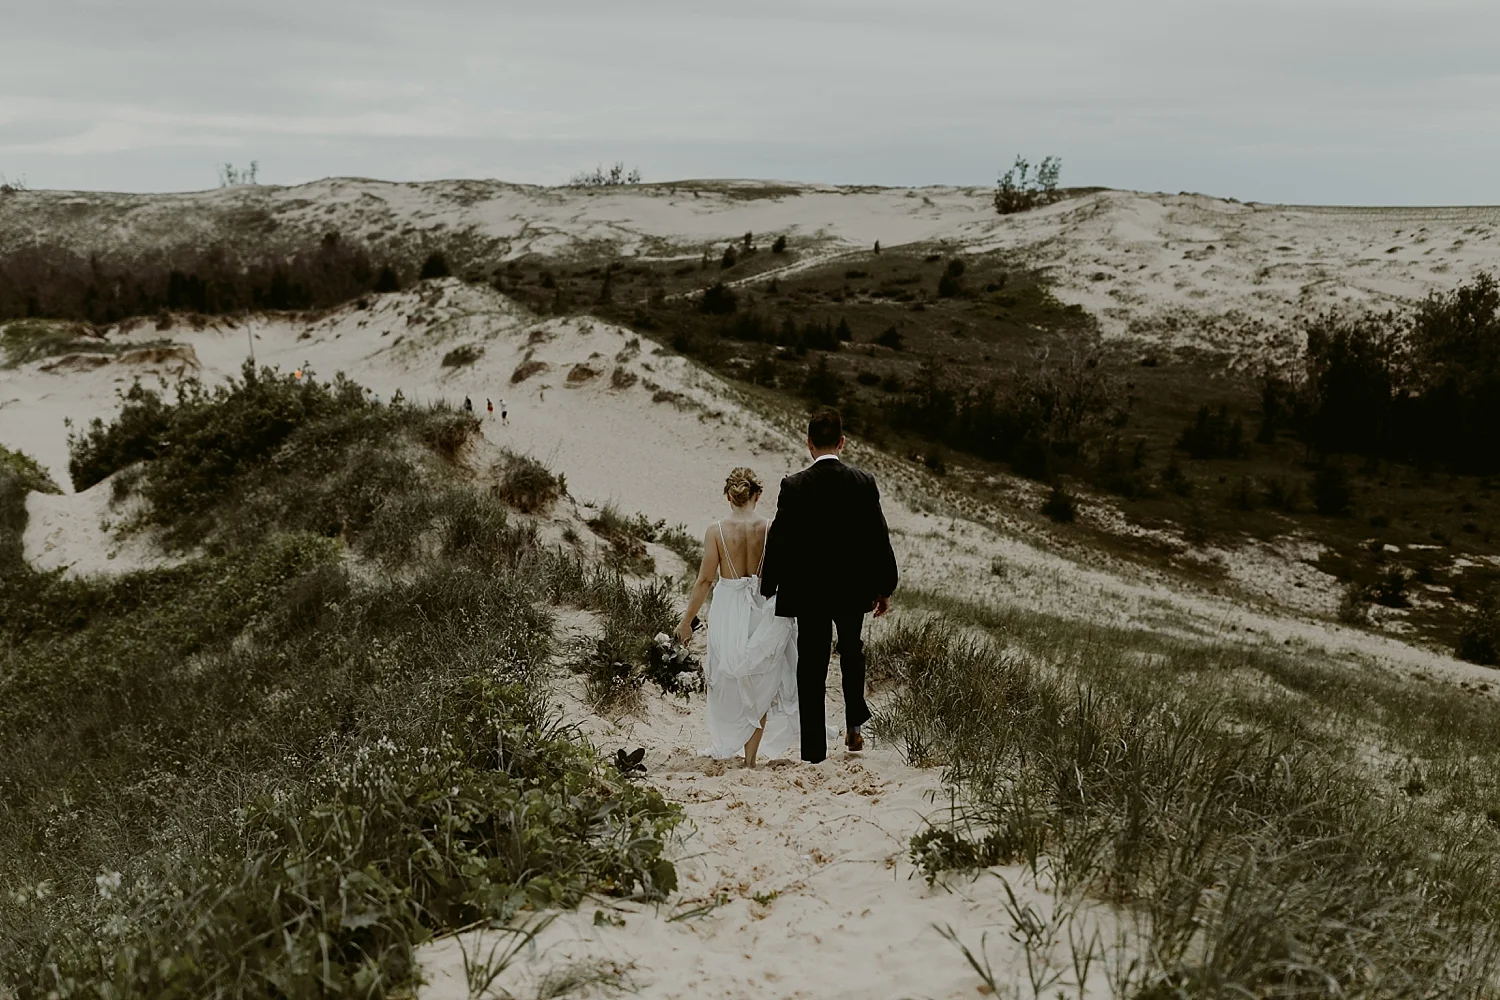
822, 383
891, 338
1332, 493
951, 283
729, 259
779, 246
386, 280
435, 266
719, 300
1060, 505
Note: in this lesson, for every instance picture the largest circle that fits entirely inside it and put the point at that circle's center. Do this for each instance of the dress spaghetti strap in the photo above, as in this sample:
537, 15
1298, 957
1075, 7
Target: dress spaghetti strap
724, 547
765, 538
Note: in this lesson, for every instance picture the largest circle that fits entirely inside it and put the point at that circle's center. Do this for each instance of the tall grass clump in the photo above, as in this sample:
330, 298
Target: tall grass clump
1254, 852
275, 769
528, 485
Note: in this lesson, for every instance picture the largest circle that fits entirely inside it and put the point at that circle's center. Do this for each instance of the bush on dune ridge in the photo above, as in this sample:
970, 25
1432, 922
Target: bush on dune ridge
262, 773
1256, 852
31, 474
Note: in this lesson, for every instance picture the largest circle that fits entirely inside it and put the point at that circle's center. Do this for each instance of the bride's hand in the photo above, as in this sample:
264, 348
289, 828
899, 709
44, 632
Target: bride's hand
685, 632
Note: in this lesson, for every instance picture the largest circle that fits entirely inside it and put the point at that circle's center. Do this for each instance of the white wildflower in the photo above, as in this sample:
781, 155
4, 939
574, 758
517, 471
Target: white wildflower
108, 883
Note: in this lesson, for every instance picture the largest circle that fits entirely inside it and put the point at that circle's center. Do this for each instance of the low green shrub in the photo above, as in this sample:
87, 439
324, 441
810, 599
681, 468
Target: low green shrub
1060, 505
30, 473
528, 485
464, 354
265, 773
1479, 639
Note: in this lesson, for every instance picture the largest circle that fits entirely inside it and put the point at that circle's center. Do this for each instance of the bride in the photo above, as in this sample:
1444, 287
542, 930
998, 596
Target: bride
751, 663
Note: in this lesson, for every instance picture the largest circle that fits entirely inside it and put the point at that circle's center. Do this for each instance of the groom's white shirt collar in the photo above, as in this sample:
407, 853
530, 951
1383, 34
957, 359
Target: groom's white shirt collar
824, 458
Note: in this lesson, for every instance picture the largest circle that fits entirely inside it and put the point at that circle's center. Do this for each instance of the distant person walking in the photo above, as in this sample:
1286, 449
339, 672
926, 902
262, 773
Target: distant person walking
489, 405
504, 414
468, 406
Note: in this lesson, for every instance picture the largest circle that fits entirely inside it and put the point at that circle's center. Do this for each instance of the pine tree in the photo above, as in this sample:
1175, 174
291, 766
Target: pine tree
435, 266
822, 384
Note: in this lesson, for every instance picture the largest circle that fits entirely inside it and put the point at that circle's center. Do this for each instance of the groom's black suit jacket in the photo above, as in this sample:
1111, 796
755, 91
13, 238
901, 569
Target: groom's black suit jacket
828, 551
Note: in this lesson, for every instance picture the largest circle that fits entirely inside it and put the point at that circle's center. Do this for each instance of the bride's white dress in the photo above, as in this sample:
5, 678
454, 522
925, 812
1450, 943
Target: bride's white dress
750, 668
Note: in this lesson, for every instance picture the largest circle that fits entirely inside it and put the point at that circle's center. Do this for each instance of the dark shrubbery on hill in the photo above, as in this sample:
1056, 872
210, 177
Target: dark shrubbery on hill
1213, 435
201, 441
951, 283
719, 300
435, 266
822, 384
1044, 420
1424, 388
1060, 505
55, 283
1332, 490
1479, 639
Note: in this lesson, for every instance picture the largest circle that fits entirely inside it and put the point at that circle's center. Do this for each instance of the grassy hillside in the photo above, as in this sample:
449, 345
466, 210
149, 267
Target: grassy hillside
1263, 824
969, 366
277, 768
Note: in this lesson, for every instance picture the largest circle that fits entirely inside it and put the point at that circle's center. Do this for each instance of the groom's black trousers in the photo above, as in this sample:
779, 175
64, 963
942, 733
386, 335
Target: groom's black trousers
814, 642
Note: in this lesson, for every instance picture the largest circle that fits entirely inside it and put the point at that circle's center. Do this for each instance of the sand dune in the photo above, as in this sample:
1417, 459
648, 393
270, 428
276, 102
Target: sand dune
1165, 270
628, 423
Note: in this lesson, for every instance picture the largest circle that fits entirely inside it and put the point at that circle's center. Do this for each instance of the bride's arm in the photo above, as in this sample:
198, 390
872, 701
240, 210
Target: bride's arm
706, 573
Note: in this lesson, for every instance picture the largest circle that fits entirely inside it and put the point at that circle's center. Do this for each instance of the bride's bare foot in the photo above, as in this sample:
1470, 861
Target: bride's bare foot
753, 746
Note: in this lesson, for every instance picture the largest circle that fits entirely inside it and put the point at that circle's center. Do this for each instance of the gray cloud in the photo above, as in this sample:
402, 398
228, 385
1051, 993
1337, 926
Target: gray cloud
1376, 101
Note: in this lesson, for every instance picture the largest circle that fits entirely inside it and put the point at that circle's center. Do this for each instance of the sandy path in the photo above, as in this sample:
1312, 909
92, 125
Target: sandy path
842, 912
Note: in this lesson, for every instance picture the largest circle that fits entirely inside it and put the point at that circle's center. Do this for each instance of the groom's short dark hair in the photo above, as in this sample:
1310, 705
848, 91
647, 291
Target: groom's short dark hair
825, 429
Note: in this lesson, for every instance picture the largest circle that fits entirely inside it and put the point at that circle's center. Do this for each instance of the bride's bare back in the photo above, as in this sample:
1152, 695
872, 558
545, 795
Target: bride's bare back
741, 543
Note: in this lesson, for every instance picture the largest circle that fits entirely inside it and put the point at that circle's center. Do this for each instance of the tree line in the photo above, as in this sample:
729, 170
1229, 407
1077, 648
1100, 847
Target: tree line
56, 283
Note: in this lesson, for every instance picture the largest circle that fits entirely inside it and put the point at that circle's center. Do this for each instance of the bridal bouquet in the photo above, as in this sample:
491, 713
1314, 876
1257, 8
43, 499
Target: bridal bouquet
672, 666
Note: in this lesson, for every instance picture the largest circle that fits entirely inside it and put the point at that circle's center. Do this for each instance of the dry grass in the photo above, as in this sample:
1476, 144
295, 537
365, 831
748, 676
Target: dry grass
1223, 798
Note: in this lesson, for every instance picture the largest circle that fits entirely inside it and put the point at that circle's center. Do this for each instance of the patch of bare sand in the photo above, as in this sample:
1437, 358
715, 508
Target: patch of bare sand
81, 534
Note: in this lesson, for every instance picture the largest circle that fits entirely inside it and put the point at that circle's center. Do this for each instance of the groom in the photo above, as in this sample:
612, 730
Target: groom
829, 562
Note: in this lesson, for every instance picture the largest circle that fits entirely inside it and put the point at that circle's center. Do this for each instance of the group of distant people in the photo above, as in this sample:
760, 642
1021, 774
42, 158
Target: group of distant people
490, 406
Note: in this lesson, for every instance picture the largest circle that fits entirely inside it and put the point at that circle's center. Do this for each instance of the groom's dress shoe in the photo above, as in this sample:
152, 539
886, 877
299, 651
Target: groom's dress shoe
855, 742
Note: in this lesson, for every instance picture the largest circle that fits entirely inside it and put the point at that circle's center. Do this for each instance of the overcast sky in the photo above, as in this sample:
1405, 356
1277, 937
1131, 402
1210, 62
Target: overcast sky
1313, 101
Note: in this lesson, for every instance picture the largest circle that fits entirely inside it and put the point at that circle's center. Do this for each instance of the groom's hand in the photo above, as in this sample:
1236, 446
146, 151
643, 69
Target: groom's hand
881, 606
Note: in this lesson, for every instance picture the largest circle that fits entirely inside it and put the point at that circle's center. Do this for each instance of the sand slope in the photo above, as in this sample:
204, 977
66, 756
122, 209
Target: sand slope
1168, 270
660, 441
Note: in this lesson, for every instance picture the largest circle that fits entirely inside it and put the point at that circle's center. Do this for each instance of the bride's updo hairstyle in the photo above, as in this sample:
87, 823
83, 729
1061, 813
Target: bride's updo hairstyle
742, 486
